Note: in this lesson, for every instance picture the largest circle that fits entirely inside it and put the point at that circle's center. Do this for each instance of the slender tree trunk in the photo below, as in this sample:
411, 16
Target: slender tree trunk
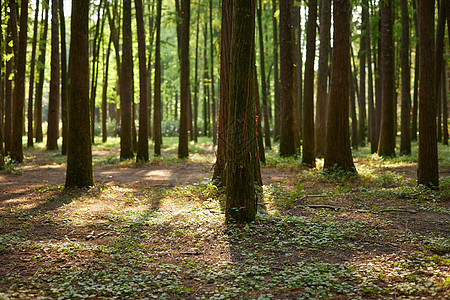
386, 144
79, 152
224, 90
31, 82
54, 97
322, 78
183, 149
104, 92
142, 151
151, 6
362, 88
287, 132
338, 152
195, 127
263, 78
39, 88
213, 97
157, 90
241, 202
416, 77
258, 128
64, 81
372, 115
444, 104
440, 34
126, 83
354, 118
427, 172
205, 82
276, 82
10, 65
2, 96
309, 143
405, 144
19, 86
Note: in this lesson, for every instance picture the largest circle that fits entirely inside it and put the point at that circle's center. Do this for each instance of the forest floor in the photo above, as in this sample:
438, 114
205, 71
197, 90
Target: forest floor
156, 230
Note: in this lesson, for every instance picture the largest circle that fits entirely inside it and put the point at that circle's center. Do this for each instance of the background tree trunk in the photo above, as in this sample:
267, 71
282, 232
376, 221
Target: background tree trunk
276, 82
386, 144
372, 114
157, 90
79, 152
405, 143
416, 76
362, 86
213, 97
64, 81
322, 78
427, 172
440, 34
338, 151
309, 144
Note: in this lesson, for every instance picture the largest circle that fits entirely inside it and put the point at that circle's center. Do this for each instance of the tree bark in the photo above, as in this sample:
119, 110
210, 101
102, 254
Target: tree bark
386, 144
224, 90
416, 76
309, 144
104, 93
213, 97
276, 82
31, 82
79, 152
64, 81
362, 88
405, 127
427, 172
338, 152
39, 88
183, 149
322, 78
440, 34
287, 140
126, 83
372, 115
19, 86
240, 196
55, 81
157, 90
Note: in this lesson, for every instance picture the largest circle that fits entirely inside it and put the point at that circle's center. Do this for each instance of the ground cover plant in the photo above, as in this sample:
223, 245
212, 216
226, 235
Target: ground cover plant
156, 230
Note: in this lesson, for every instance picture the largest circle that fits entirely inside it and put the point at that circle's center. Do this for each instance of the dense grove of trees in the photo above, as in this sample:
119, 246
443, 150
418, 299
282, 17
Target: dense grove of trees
135, 70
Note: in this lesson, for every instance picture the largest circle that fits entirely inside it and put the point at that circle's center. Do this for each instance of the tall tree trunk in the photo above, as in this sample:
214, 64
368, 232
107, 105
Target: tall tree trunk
322, 78
427, 172
444, 105
54, 97
142, 150
416, 77
79, 152
151, 27
405, 143
309, 144
287, 140
104, 92
10, 65
41, 67
183, 149
276, 82
213, 97
362, 87
205, 82
224, 90
258, 128
64, 81
19, 86
386, 144
263, 78
31, 82
157, 90
241, 202
440, 34
195, 127
2, 97
372, 115
354, 118
126, 83
338, 152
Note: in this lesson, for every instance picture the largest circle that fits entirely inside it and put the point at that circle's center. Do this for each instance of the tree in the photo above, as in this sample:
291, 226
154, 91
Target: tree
104, 92
405, 143
322, 78
19, 86
64, 81
276, 82
386, 143
79, 152
142, 151
372, 115
362, 85
287, 132
224, 90
195, 116
183, 149
338, 152
157, 89
309, 144
126, 83
427, 172
40, 85
440, 35
240, 192
31, 82
213, 97
416, 76
53, 103
11, 38
265, 110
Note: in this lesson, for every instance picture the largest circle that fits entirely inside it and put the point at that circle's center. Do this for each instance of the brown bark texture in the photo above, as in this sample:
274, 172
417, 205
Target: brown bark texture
405, 121
157, 89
